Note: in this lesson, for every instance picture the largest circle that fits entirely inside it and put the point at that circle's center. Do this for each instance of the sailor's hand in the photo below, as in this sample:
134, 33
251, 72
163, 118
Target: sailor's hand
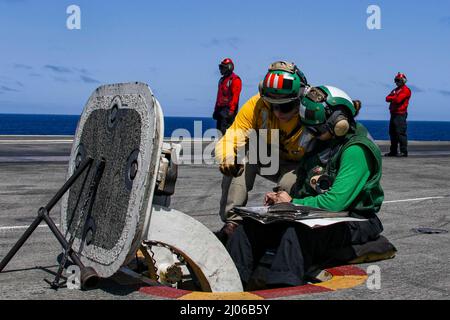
272, 198
232, 170
283, 196
269, 198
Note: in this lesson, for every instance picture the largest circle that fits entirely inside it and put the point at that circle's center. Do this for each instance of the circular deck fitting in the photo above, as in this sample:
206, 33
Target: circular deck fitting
344, 277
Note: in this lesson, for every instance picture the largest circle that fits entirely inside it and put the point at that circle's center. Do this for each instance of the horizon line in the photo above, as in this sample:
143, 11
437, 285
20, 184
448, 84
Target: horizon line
198, 117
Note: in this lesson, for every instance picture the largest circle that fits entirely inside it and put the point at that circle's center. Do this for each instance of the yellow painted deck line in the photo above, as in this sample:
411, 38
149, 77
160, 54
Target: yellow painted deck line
338, 282
220, 296
342, 282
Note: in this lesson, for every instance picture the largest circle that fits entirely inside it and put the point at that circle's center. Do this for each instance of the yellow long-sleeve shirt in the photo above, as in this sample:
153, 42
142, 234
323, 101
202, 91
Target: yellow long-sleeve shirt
256, 114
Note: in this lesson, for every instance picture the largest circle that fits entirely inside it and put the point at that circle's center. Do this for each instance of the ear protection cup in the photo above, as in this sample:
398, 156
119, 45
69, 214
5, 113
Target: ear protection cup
341, 128
338, 123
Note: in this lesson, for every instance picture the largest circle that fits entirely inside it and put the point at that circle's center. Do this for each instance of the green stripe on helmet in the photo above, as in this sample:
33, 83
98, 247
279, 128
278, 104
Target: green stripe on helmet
273, 91
318, 101
312, 113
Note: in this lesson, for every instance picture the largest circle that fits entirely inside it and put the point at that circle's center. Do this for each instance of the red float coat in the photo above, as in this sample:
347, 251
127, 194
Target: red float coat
399, 99
228, 94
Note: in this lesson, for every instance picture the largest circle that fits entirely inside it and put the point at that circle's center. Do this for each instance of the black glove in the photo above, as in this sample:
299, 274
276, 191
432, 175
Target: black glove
231, 170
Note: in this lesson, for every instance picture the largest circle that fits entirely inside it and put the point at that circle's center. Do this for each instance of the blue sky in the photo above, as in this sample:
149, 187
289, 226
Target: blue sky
175, 47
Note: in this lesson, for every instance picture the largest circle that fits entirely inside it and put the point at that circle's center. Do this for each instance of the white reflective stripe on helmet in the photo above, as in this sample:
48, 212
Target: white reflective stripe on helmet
275, 81
338, 93
268, 80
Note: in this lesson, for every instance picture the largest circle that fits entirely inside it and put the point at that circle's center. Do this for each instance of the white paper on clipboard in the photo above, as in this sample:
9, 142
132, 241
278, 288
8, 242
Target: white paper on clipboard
308, 216
324, 222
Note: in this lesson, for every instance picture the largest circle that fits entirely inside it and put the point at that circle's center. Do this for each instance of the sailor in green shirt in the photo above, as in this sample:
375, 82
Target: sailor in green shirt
343, 173
355, 170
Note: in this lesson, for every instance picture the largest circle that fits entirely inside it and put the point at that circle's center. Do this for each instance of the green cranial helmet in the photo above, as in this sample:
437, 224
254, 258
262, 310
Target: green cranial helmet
283, 83
323, 107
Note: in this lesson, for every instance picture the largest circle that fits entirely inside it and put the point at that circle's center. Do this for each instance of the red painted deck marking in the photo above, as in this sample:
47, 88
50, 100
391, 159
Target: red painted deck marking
347, 271
337, 272
164, 292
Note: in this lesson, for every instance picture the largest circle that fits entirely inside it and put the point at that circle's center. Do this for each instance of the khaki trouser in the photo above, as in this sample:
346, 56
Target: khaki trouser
235, 190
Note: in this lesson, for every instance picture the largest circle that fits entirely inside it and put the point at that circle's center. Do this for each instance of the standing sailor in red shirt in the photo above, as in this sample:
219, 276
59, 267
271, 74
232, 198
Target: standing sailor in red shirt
227, 102
399, 101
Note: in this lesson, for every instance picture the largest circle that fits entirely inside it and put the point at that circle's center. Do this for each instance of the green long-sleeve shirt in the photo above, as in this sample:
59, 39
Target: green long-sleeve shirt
354, 171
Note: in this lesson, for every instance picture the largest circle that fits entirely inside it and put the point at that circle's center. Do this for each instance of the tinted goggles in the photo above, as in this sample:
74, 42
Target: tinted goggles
285, 107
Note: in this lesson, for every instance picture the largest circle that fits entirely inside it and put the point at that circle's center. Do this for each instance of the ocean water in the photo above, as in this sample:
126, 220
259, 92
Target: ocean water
25, 124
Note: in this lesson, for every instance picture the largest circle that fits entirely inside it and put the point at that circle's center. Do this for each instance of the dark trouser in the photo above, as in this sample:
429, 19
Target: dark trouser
235, 190
397, 132
291, 251
224, 120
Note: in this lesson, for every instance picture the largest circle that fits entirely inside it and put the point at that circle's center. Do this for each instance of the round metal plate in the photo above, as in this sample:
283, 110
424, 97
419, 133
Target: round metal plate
121, 124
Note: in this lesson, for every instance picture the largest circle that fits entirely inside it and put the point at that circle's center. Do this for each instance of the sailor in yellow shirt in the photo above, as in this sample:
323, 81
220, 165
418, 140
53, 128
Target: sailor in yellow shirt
272, 115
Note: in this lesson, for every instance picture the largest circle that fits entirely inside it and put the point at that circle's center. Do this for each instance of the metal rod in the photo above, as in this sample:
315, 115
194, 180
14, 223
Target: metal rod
68, 184
88, 276
62, 240
43, 212
20, 243
68, 244
93, 188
